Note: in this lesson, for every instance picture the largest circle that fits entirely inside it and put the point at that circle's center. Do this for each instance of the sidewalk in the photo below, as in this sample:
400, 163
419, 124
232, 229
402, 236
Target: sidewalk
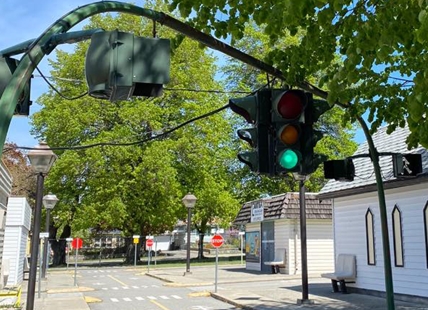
283, 292
57, 292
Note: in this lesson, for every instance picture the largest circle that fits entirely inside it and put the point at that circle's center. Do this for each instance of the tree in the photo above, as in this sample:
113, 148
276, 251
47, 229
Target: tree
23, 177
381, 44
137, 188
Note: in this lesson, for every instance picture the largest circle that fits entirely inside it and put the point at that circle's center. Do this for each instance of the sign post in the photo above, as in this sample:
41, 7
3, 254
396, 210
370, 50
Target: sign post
68, 249
216, 241
149, 244
136, 240
76, 244
43, 237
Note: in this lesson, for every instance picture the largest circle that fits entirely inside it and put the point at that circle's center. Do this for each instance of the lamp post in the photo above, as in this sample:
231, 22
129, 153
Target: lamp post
49, 201
189, 202
41, 159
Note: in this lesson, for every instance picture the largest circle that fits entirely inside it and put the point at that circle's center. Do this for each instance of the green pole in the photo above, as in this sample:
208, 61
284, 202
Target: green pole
383, 217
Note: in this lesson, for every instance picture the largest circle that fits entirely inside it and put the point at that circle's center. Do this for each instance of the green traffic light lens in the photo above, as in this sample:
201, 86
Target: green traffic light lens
288, 159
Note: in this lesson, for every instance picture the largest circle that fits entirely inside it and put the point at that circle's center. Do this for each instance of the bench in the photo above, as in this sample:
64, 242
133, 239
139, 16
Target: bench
278, 262
345, 271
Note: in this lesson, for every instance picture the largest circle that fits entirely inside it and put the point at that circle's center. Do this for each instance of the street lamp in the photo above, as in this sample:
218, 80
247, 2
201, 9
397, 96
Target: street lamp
49, 201
189, 202
41, 159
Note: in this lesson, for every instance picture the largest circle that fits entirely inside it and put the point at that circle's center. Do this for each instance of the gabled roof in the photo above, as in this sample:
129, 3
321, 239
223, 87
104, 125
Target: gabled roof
365, 180
287, 206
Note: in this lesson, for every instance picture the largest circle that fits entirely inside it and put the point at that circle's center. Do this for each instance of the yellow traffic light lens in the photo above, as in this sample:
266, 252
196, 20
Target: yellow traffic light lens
288, 159
289, 134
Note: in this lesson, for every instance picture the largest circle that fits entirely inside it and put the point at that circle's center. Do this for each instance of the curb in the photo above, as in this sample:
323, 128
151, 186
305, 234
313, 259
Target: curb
230, 302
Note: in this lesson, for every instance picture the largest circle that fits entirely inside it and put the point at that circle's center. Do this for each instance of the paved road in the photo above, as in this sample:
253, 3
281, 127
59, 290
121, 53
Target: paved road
126, 289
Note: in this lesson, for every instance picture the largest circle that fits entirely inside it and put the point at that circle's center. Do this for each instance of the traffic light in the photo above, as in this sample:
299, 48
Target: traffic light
256, 110
340, 170
287, 117
406, 165
310, 136
119, 65
7, 68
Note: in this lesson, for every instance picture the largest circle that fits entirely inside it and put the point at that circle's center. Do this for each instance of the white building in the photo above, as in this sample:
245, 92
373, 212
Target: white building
274, 223
5, 189
357, 224
18, 225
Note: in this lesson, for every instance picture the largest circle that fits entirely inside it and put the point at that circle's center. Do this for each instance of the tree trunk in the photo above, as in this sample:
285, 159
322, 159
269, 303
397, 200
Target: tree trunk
58, 246
130, 251
201, 246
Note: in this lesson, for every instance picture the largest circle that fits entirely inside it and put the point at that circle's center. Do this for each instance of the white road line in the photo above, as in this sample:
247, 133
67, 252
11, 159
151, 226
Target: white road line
114, 299
144, 286
139, 298
127, 299
114, 288
176, 297
154, 285
151, 297
164, 297
127, 287
104, 288
135, 286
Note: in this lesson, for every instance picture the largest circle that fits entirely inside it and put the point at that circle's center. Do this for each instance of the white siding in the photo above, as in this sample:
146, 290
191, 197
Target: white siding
16, 235
5, 189
320, 246
350, 237
282, 240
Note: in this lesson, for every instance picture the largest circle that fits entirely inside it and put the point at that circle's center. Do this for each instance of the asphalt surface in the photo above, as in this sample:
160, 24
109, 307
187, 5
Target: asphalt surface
235, 285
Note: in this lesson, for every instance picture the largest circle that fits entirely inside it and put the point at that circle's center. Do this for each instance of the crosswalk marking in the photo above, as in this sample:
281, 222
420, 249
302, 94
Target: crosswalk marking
151, 297
164, 297
135, 286
139, 298
127, 299
127, 287
114, 288
176, 297
114, 299
104, 288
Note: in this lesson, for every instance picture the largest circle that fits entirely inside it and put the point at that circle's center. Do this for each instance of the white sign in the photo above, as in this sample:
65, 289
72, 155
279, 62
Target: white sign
69, 239
44, 235
257, 212
136, 236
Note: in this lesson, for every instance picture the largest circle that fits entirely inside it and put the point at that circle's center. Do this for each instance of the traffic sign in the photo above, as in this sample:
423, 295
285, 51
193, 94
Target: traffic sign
77, 243
149, 243
217, 241
44, 235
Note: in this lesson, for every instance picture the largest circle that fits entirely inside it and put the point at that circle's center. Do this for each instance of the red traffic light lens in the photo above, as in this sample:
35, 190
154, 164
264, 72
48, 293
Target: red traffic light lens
289, 134
291, 104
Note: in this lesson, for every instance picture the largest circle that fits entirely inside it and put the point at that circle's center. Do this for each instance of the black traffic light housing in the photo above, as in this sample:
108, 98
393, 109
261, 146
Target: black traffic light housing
340, 170
406, 165
120, 65
256, 111
7, 68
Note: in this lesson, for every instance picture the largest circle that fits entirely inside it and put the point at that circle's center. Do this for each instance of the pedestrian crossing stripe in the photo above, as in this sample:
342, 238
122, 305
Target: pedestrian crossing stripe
139, 298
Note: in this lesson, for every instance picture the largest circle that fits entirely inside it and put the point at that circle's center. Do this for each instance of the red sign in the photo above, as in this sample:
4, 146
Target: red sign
77, 243
217, 241
149, 243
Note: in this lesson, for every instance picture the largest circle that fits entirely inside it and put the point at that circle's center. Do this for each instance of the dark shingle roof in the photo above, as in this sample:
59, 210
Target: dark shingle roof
364, 173
287, 206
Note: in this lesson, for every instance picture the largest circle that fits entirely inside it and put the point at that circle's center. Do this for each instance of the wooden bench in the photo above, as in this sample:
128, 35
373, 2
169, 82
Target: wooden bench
278, 262
345, 271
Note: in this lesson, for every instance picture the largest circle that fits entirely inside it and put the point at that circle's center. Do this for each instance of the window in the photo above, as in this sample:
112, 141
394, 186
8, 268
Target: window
370, 238
398, 237
426, 229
